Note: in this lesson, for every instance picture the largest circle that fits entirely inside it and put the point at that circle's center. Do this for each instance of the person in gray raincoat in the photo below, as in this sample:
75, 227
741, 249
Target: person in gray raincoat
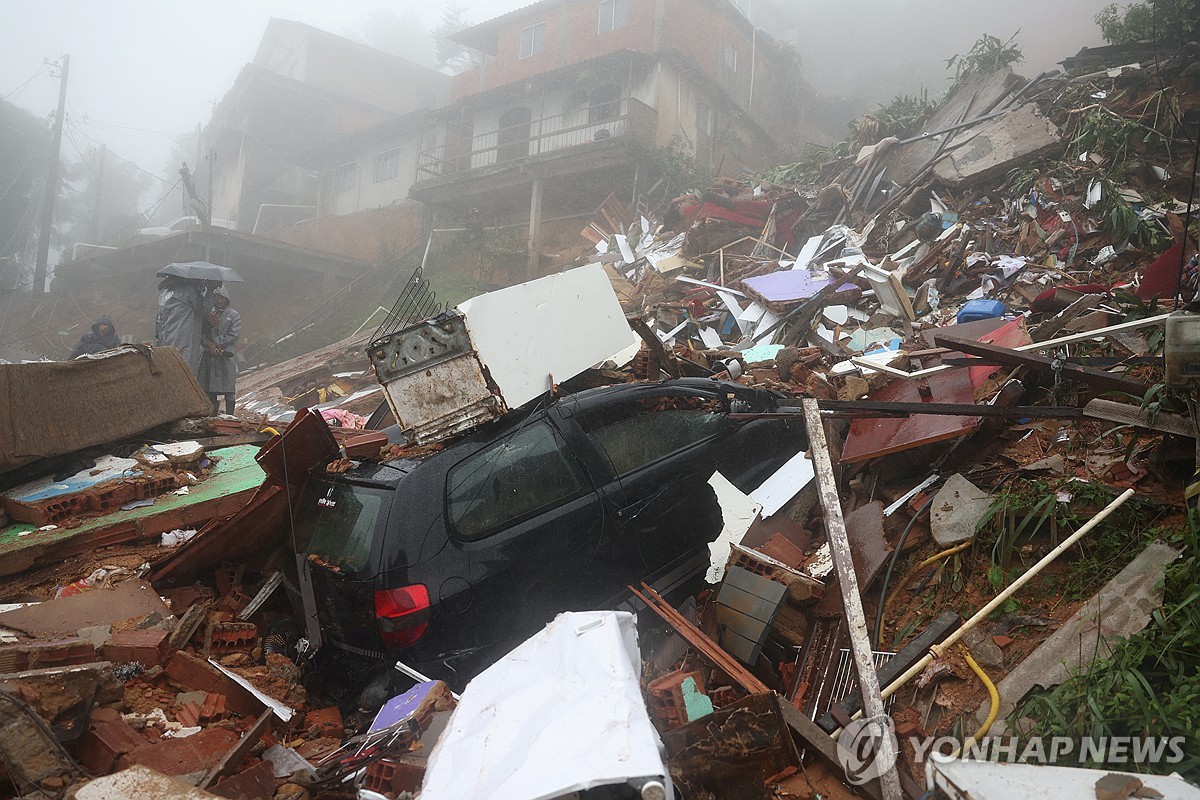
181, 309
218, 365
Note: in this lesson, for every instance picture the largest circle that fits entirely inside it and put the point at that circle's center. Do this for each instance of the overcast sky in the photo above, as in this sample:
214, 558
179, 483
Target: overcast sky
144, 71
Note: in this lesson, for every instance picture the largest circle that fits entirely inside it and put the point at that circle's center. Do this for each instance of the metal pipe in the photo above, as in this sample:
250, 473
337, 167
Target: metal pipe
937, 650
1062, 340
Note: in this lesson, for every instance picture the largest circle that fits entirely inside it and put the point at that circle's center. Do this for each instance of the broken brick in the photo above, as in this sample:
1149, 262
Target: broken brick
190, 672
327, 721
255, 783
196, 753
392, 776
35, 655
147, 647
105, 742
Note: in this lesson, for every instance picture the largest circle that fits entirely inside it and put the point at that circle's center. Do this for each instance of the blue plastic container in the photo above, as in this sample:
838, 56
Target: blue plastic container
976, 310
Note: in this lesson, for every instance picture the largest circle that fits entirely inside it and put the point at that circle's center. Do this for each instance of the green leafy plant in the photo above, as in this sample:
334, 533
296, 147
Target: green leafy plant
987, 56
1166, 22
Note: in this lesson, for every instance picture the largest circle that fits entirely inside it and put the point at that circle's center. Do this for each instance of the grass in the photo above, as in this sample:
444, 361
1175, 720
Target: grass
1149, 685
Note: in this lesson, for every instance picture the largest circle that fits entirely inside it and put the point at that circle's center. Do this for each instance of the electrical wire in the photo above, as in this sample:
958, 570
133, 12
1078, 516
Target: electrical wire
22, 87
117, 156
877, 633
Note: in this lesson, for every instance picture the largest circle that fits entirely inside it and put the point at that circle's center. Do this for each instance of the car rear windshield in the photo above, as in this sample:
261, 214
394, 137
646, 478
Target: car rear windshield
337, 523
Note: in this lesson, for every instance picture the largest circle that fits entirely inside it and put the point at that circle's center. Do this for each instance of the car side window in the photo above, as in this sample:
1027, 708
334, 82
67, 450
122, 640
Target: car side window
529, 471
634, 434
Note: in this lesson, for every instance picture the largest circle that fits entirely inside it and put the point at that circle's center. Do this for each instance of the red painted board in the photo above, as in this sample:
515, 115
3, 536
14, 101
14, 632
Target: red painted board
872, 437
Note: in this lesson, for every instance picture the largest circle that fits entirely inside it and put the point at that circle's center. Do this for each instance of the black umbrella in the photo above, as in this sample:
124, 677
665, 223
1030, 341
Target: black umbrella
200, 271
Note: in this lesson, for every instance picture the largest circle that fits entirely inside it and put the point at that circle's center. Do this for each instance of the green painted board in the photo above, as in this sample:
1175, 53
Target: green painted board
235, 471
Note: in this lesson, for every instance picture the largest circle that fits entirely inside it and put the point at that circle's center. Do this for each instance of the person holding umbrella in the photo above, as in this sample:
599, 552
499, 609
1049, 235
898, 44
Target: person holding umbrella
183, 302
218, 364
181, 308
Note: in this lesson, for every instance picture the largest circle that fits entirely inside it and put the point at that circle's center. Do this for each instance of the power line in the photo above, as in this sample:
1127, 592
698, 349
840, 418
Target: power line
145, 215
17, 176
133, 164
22, 87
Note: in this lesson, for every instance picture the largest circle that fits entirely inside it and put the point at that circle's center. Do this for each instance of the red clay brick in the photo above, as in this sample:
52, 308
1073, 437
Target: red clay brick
192, 673
666, 699
328, 720
148, 647
106, 741
197, 753
36, 655
255, 783
393, 776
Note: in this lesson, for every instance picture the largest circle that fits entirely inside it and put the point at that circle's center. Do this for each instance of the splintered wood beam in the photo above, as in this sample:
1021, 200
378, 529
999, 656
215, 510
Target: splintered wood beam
856, 621
1094, 378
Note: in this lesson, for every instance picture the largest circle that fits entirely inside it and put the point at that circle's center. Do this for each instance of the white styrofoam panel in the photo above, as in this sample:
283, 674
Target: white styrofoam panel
556, 326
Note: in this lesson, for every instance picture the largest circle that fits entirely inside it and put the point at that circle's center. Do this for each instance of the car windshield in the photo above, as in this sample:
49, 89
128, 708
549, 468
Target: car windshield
337, 524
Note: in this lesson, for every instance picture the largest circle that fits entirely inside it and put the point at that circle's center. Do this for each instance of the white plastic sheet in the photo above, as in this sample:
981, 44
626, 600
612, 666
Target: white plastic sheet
562, 713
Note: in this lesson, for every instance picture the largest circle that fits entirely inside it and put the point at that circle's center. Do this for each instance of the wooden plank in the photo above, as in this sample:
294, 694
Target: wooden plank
856, 621
1128, 414
1056, 323
697, 639
1095, 378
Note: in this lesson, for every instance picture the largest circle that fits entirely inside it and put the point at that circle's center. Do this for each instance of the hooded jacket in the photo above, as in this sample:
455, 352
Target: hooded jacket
96, 342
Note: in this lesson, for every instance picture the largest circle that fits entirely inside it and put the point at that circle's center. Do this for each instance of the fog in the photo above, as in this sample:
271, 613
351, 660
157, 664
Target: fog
143, 72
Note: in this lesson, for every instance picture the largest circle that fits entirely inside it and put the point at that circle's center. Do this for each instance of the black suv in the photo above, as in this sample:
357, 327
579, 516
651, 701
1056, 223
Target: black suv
447, 561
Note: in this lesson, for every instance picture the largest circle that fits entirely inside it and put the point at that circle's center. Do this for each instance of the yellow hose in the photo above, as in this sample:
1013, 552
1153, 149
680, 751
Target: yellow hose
270, 430
945, 553
993, 696
933, 558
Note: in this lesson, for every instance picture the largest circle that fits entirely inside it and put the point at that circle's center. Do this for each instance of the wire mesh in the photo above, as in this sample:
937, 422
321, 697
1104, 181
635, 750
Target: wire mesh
417, 301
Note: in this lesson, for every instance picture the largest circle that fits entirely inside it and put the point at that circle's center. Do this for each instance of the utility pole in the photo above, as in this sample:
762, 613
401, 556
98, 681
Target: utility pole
51, 188
95, 224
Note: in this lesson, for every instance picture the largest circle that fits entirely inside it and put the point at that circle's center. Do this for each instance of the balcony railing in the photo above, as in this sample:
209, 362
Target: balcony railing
536, 137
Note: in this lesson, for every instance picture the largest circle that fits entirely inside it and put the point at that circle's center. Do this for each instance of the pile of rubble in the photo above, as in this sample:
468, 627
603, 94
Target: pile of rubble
958, 319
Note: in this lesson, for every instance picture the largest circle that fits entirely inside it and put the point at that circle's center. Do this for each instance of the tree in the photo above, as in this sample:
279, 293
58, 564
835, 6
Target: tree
451, 55
1166, 22
104, 206
400, 34
24, 147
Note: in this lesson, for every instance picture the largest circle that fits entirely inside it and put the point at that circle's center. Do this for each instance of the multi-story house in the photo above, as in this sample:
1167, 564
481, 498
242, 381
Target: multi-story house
568, 100
304, 86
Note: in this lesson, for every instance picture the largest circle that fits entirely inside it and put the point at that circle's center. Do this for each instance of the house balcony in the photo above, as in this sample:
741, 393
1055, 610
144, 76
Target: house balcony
563, 144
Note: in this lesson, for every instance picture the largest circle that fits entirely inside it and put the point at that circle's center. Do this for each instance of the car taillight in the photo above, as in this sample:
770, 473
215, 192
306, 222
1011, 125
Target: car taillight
403, 614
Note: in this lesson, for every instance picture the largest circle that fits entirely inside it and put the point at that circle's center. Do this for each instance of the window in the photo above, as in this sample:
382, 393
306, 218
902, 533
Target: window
387, 165
731, 57
339, 524
533, 40
637, 434
343, 177
524, 474
704, 119
613, 14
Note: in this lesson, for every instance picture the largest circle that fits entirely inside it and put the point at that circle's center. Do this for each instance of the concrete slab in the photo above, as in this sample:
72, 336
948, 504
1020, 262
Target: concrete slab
65, 616
1012, 140
1120, 609
140, 781
957, 509
234, 478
